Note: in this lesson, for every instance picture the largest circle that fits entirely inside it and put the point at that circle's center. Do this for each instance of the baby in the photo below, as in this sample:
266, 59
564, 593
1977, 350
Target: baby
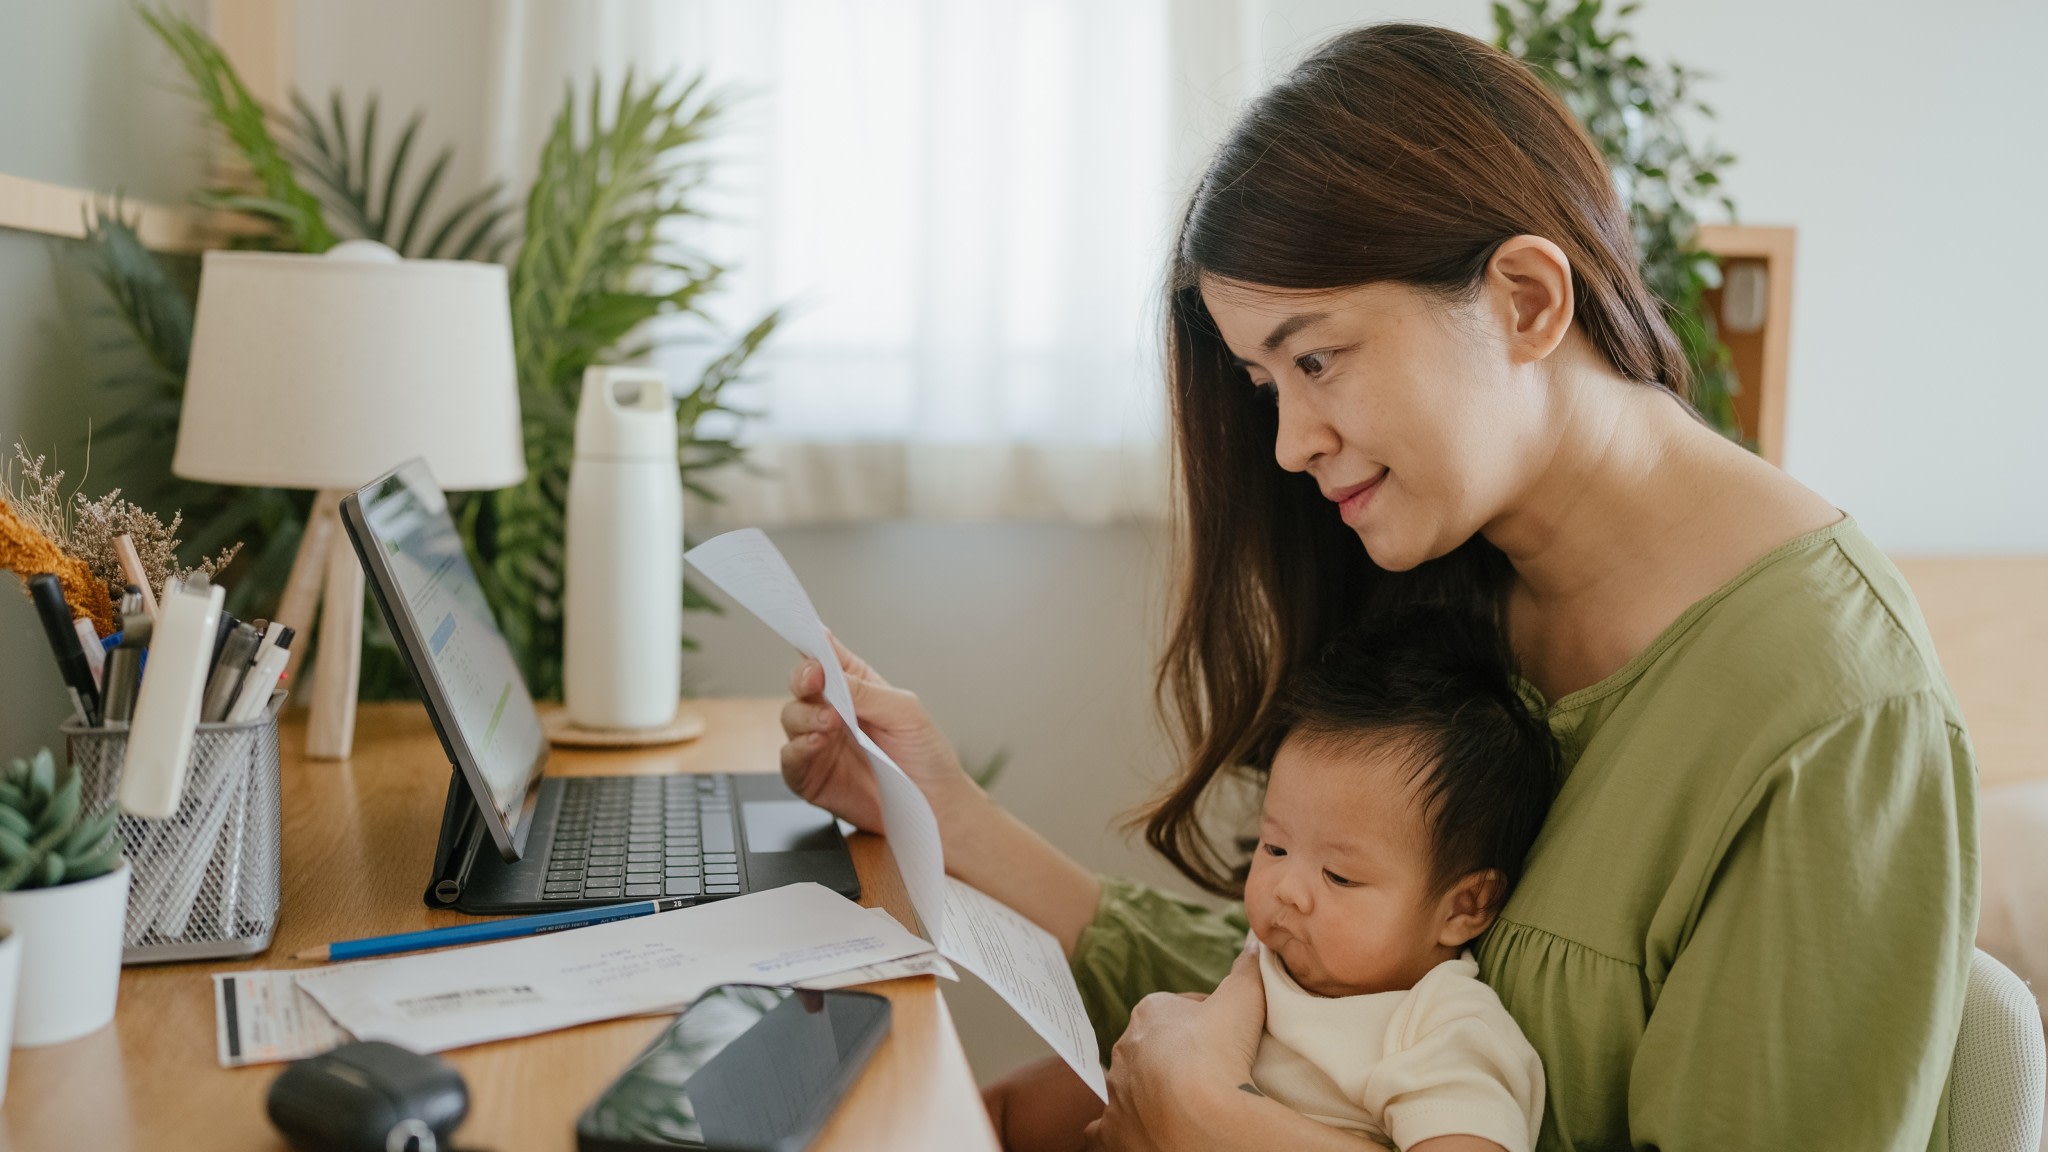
1407, 788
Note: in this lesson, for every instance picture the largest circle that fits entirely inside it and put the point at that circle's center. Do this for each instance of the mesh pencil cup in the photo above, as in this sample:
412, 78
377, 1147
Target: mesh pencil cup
205, 882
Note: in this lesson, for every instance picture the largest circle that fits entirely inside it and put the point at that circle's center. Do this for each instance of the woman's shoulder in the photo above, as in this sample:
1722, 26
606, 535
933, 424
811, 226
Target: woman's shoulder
1822, 627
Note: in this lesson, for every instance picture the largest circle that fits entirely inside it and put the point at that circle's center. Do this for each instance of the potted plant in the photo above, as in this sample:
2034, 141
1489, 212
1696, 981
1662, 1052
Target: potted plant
64, 893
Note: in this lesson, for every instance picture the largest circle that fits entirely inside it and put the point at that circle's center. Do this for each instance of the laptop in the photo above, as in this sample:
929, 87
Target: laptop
515, 838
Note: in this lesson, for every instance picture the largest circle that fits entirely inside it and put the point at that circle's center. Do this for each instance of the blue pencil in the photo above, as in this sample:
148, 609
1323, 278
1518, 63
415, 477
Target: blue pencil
487, 930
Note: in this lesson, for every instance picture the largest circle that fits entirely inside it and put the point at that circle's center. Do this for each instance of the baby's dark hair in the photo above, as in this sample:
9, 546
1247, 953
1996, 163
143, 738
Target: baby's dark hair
1443, 683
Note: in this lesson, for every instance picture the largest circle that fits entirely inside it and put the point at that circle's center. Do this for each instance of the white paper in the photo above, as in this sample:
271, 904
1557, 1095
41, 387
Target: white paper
928, 964
747, 567
1028, 969
263, 1018
1021, 961
463, 996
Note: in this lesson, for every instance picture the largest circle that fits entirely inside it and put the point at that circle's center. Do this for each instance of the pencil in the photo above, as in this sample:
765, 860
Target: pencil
487, 930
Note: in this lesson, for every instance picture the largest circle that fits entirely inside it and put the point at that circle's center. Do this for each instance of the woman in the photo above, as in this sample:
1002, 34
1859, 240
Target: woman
1405, 313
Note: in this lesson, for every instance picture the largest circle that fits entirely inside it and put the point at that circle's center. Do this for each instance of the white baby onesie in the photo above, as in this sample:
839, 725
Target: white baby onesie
1440, 1059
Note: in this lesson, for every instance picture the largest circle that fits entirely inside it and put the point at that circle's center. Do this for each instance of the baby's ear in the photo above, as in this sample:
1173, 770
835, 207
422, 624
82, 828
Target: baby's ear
1470, 906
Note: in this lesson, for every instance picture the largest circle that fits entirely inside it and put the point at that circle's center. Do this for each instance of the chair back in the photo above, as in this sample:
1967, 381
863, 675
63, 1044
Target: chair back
2001, 1068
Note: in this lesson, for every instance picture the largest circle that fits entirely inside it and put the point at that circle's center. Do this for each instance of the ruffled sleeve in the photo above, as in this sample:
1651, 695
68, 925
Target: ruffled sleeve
1144, 941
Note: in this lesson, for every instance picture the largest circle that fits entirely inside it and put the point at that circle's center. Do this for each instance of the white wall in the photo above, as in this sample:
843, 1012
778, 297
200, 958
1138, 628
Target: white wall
90, 100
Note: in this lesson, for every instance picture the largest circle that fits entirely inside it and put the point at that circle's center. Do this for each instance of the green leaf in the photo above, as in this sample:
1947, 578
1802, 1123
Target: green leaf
57, 820
245, 123
371, 194
16, 874
42, 777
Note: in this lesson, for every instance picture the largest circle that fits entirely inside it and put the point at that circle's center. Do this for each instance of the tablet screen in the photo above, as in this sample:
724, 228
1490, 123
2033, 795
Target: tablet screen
445, 625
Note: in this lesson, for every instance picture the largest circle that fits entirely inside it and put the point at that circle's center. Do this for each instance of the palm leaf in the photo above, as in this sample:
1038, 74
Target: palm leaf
373, 195
283, 202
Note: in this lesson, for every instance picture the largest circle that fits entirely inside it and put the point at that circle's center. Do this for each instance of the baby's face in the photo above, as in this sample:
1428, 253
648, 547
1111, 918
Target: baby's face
1340, 886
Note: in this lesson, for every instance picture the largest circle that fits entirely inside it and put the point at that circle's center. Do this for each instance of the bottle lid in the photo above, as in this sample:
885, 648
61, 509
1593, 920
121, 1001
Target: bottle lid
625, 414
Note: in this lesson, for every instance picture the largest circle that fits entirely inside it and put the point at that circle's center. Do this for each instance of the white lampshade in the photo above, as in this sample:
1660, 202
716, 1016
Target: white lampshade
327, 371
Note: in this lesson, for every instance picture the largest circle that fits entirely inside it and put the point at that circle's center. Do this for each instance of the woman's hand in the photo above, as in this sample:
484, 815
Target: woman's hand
823, 764
1183, 1065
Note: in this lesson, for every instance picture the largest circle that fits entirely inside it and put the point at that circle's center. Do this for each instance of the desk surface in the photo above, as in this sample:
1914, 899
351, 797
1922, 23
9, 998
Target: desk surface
358, 845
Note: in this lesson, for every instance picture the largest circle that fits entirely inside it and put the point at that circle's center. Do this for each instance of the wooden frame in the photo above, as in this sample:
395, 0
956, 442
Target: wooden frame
1762, 358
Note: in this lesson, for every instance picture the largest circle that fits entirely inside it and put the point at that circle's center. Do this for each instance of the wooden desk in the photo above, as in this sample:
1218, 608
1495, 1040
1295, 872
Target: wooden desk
358, 845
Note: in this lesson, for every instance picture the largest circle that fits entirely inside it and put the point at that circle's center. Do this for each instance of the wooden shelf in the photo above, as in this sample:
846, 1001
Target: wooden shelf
1761, 356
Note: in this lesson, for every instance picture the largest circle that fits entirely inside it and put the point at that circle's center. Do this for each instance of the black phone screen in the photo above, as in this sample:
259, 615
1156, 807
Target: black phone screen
745, 1069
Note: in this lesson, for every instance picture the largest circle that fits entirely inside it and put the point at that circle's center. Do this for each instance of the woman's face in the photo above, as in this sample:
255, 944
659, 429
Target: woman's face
1406, 408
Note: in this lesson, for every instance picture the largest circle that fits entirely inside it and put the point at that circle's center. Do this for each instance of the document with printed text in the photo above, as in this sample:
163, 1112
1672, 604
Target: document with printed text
441, 1000
1020, 960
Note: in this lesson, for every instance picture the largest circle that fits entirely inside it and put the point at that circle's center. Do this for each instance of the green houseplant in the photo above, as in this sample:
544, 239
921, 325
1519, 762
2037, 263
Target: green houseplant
1643, 117
589, 267
64, 891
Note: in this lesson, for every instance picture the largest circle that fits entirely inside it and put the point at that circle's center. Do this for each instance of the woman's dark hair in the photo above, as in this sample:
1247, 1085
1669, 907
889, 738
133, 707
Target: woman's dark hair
1393, 153
1440, 685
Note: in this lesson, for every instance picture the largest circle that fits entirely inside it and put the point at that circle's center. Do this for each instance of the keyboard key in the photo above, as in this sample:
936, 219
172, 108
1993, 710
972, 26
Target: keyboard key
684, 870
721, 858
721, 870
568, 894
721, 889
611, 893
719, 838
653, 889
684, 886
641, 857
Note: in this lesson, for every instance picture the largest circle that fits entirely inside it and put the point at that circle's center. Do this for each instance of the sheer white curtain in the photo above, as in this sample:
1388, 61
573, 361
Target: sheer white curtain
964, 206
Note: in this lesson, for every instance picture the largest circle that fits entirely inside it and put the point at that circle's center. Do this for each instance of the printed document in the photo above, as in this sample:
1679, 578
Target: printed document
1017, 958
264, 1017
441, 1000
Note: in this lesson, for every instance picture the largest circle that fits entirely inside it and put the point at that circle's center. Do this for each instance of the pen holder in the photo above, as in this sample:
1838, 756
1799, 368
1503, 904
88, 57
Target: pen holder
205, 882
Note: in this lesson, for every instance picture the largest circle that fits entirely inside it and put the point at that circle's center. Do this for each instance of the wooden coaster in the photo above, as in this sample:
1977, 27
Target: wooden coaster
554, 720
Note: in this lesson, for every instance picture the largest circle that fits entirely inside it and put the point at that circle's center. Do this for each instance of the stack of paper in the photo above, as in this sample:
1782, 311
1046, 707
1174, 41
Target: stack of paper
803, 934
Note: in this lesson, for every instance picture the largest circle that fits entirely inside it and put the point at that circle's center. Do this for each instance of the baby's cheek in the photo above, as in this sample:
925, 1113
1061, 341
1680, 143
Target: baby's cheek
1258, 904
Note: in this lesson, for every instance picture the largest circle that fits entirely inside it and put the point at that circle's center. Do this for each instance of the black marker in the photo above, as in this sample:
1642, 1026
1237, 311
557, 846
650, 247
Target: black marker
71, 662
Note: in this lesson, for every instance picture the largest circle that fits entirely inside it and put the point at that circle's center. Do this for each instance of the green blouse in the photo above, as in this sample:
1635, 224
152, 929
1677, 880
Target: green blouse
1748, 921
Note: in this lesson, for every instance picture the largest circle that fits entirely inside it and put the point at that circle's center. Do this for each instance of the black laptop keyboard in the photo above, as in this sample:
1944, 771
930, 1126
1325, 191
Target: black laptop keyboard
638, 837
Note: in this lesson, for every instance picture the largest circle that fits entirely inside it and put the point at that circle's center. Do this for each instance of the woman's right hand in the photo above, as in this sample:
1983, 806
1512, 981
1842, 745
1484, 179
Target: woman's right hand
823, 764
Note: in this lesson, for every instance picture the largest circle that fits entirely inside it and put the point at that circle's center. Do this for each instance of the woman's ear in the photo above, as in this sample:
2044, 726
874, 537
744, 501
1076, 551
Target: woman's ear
1529, 282
1470, 906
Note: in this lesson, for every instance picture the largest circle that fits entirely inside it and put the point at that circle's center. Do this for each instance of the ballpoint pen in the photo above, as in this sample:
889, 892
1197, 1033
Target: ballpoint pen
487, 930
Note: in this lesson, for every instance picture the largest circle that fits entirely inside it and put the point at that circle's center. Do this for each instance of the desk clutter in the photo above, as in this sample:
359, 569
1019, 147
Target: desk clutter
158, 840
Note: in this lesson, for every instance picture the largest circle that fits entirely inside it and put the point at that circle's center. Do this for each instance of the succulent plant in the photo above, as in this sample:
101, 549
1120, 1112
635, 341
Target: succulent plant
45, 836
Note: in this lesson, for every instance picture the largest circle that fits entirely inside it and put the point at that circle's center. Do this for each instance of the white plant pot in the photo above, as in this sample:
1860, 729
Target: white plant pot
10, 975
70, 956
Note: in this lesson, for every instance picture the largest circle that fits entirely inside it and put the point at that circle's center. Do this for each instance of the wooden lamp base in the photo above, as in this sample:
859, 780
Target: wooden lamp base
326, 572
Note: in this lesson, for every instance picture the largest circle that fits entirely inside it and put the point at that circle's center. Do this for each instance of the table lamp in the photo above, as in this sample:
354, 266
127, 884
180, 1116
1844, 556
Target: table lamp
326, 371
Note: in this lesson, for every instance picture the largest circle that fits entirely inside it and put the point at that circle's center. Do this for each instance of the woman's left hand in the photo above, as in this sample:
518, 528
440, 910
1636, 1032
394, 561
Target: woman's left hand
1181, 1064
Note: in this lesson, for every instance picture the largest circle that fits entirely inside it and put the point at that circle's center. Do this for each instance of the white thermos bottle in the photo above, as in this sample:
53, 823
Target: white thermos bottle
623, 605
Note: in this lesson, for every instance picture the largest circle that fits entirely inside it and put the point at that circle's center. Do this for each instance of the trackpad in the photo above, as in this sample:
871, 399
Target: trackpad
787, 826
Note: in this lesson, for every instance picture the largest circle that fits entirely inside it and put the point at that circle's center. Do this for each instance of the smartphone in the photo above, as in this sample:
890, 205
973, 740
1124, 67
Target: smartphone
746, 1068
